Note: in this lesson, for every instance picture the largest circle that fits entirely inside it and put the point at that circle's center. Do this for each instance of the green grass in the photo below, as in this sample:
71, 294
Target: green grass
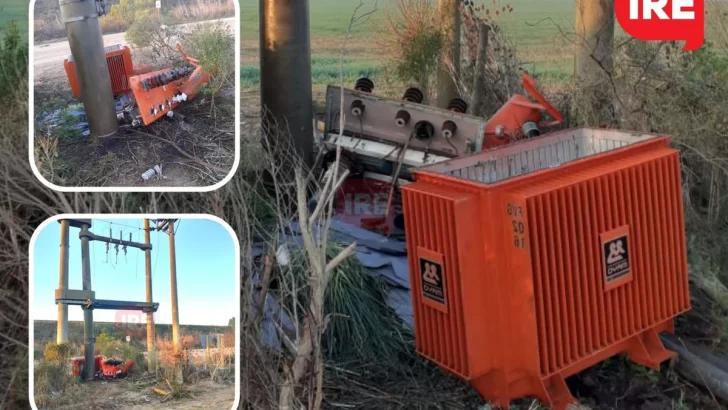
541, 31
324, 70
14, 10
329, 18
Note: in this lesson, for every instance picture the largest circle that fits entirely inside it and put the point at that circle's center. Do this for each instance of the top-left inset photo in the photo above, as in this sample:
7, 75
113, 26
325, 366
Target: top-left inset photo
134, 95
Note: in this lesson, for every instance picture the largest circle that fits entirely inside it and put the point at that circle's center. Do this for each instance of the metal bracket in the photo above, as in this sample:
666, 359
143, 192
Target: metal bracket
93, 237
87, 299
75, 297
80, 18
77, 223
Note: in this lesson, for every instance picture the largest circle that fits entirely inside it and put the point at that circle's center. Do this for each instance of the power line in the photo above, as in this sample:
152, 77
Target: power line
120, 224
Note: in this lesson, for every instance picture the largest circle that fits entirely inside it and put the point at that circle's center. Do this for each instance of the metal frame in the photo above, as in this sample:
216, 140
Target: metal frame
86, 298
549, 151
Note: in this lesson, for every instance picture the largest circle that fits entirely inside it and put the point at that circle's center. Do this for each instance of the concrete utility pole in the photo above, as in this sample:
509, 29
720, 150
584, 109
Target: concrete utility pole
62, 323
447, 88
151, 356
285, 75
81, 20
175, 310
88, 314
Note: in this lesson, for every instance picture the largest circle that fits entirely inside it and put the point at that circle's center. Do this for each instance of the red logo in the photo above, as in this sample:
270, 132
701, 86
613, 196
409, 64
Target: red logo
360, 199
664, 20
130, 319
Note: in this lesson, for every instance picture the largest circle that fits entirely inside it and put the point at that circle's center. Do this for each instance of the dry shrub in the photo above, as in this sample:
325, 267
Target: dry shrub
188, 342
52, 379
412, 34
48, 28
113, 24
200, 10
58, 353
502, 72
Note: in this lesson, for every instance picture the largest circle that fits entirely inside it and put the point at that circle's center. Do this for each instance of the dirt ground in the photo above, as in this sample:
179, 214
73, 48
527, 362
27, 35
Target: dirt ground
198, 151
126, 394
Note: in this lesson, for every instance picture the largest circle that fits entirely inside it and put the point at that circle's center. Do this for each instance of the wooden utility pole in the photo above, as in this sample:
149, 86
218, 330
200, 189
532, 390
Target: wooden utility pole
449, 69
285, 80
595, 37
175, 310
476, 107
62, 322
151, 356
594, 60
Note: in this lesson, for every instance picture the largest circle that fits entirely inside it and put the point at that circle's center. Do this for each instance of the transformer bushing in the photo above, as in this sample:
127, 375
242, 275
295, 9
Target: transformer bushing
81, 20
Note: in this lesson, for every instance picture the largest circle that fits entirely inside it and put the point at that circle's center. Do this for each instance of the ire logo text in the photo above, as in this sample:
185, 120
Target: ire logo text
664, 20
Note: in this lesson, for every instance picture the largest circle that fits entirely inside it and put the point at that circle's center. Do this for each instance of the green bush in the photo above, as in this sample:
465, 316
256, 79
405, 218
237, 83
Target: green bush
414, 37
129, 10
141, 32
214, 46
360, 323
104, 341
13, 59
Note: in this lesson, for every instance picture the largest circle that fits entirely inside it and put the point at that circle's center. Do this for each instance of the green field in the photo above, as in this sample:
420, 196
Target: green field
532, 27
329, 18
542, 32
14, 10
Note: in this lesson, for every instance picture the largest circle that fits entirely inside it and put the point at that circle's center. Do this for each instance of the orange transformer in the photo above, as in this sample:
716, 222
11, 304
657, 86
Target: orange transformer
77, 364
120, 69
532, 262
158, 93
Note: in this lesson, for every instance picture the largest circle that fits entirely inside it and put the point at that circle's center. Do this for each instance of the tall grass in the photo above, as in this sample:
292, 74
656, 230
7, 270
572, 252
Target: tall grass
200, 10
361, 326
324, 70
48, 26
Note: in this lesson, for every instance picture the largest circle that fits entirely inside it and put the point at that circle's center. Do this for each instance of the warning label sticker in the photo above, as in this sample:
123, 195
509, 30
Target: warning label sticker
433, 285
616, 258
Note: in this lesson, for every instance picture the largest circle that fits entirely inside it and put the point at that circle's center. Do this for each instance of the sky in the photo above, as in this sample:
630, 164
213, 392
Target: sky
206, 273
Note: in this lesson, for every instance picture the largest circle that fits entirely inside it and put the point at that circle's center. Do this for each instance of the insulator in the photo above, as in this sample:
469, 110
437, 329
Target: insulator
448, 129
414, 95
364, 84
148, 174
402, 118
458, 105
357, 108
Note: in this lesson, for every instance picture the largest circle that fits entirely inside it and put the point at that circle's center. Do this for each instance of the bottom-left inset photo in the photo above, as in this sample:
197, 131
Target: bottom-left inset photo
134, 312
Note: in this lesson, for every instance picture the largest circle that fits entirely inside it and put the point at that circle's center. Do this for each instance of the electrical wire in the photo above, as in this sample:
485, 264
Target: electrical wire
120, 224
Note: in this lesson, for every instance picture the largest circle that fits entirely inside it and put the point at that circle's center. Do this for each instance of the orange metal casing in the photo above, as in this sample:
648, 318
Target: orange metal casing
527, 296
517, 111
77, 364
120, 69
146, 100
